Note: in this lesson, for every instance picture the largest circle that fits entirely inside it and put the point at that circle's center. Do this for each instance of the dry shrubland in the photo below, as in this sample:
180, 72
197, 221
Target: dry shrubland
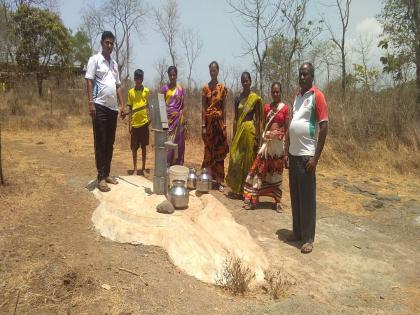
364, 126
278, 283
235, 276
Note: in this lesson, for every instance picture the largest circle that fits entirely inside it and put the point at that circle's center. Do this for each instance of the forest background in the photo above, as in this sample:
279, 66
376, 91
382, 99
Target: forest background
373, 95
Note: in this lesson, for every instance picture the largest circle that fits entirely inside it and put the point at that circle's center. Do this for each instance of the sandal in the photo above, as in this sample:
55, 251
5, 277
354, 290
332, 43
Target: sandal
111, 180
221, 188
102, 186
278, 208
249, 206
307, 248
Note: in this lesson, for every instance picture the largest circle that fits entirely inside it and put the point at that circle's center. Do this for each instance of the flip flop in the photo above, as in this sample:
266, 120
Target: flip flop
111, 180
102, 186
307, 248
278, 208
249, 206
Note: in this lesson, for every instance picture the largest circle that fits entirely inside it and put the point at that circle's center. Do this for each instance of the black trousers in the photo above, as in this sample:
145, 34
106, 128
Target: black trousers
104, 126
303, 198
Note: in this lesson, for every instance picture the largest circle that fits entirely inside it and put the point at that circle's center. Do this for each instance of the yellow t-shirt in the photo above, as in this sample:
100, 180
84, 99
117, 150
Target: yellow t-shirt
138, 100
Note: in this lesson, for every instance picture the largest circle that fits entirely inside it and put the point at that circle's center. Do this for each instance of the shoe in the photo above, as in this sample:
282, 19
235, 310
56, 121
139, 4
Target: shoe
278, 208
249, 206
221, 188
102, 186
306, 248
111, 180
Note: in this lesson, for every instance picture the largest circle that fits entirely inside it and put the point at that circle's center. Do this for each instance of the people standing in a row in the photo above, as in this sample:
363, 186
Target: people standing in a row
260, 174
247, 127
266, 174
174, 98
104, 99
304, 147
213, 117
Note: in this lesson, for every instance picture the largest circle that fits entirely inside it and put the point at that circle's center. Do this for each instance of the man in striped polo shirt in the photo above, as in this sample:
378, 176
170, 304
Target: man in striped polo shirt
304, 143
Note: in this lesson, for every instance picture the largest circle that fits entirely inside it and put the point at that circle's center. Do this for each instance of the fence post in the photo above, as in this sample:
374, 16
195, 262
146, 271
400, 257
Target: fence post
1, 168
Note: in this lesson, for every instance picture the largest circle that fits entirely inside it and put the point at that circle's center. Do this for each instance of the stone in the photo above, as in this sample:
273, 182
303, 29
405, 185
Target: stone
165, 207
199, 240
373, 204
389, 198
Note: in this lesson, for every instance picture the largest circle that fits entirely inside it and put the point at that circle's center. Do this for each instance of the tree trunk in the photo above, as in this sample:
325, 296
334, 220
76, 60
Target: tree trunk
417, 24
39, 79
1, 168
343, 71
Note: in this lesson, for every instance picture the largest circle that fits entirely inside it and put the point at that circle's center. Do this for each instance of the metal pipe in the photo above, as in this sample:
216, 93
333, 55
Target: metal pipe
160, 129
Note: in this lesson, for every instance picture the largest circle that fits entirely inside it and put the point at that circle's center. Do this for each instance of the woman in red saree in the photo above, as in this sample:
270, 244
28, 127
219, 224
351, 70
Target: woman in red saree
214, 126
266, 174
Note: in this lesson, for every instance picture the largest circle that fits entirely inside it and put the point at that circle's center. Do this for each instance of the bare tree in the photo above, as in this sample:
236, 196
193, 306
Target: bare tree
1, 167
161, 66
167, 24
301, 33
224, 73
261, 17
343, 7
122, 17
364, 73
93, 24
6, 48
192, 45
47, 4
324, 56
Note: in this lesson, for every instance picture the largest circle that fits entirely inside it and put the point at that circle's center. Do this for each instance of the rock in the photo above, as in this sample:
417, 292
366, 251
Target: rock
360, 189
352, 189
106, 286
199, 240
389, 198
339, 181
375, 179
373, 204
165, 207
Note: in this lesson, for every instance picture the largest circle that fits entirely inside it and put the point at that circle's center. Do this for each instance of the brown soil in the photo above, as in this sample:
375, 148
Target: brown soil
52, 261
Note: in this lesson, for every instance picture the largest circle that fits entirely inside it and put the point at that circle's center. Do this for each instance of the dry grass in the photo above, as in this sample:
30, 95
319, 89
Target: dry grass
235, 276
279, 283
366, 129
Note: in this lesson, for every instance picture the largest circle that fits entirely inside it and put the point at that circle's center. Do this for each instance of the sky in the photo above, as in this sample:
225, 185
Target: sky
217, 28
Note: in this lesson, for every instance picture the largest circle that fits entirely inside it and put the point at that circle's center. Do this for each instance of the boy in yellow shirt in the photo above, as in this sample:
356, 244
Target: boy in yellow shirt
138, 103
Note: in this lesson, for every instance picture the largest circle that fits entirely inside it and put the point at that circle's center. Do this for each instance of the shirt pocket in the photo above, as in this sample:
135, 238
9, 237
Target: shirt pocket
101, 72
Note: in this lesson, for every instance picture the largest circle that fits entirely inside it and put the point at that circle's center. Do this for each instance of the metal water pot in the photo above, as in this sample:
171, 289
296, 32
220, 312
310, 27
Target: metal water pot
178, 195
204, 181
192, 179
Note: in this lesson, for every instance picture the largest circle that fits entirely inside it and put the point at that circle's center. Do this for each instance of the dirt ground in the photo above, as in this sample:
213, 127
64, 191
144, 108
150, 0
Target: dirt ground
52, 261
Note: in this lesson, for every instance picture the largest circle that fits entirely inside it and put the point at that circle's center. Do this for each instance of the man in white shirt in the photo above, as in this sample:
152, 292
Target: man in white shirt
305, 140
104, 97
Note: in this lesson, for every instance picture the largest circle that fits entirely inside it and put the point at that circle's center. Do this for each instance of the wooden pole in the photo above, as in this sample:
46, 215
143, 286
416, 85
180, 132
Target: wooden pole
1, 168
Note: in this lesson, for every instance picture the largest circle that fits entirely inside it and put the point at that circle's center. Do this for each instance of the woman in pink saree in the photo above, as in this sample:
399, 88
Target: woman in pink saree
174, 98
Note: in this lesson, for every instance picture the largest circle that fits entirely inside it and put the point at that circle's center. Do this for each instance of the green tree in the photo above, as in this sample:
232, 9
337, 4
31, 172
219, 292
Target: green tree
81, 48
41, 41
278, 63
365, 76
400, 20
